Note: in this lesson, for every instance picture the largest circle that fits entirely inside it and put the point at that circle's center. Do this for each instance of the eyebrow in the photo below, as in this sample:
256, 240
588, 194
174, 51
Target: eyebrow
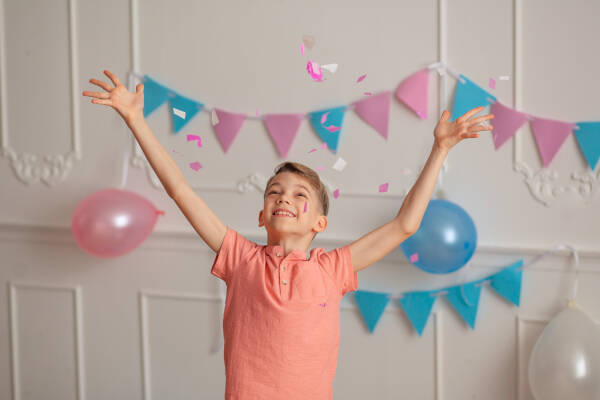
297, 184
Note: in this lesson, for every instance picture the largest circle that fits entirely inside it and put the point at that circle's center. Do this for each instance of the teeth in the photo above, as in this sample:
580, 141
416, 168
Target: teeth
283, 213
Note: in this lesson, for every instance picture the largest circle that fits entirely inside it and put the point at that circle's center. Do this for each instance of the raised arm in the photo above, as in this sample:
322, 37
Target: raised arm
130, 106
379, 242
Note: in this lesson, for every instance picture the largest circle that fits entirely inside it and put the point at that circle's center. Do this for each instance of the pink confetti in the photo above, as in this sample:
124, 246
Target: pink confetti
324, 117
383, 187
332, 128
360, 78
492, 83
414, 257
320, 168
305, 206
175, 151
311, 150
257, 112
336, 193
195, 165
302, 48
368, 93
324, 145
195, 137
314, 71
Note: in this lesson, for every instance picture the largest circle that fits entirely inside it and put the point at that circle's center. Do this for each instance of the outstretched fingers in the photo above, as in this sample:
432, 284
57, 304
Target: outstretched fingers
112, 77
102, 84
98, 95
469, 114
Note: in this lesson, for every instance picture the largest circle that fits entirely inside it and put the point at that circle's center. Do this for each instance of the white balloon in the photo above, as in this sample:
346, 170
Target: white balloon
565, 361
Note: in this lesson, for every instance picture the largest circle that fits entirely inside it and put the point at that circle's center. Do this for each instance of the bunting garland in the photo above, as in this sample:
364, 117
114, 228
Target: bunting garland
412, 92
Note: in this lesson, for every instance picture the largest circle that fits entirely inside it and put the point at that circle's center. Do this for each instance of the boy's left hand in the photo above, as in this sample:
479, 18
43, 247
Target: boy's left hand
447, 133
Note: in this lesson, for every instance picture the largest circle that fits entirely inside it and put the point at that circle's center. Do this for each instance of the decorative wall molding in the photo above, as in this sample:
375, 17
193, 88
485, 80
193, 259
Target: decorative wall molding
14, 337
48, 168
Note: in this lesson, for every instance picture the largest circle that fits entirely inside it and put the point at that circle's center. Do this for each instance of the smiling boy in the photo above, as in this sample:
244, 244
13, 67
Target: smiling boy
282, 309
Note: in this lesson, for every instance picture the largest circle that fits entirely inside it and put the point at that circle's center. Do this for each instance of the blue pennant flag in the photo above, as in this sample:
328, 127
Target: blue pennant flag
188, 106
588, 137
331, 128
371, 306
508, 282
417, 306
465, 300
155, 95
468, 96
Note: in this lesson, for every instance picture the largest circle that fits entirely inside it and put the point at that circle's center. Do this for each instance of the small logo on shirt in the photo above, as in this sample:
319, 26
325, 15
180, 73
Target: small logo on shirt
323, 304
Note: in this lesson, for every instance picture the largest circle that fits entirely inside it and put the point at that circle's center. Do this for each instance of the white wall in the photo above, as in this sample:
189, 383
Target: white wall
79, 324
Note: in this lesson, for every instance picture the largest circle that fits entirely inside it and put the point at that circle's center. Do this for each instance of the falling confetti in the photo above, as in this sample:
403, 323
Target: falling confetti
214, 118
324, 117
383, 187
332, 128
314, 71
324, 145
339, 164
504, 77
320, 168
195, 165
312, 150
368, 93
305, 206
360, 78
336, 193
308, 41
492, 83
414, 257
330, 67
179, 113
195, 137
302, 48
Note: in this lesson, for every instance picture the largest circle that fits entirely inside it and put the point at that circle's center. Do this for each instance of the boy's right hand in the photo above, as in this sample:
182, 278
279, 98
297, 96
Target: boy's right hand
128, 105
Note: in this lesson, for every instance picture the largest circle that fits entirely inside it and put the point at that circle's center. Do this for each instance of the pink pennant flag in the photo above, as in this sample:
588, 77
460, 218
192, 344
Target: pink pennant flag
506, 122
375, 110
549, 136
228, 127
283, 129
413, 92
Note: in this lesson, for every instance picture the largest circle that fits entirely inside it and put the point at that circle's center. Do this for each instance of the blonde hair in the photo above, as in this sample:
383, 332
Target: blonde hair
307, 173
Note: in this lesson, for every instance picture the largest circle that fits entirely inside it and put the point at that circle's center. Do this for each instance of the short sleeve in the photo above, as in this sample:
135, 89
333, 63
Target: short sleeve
231, 254
338, 264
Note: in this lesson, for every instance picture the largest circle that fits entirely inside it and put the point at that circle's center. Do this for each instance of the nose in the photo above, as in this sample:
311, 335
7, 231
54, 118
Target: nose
281, 199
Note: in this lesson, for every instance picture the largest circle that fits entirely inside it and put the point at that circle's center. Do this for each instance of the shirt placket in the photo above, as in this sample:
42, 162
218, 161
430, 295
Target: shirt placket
284, 275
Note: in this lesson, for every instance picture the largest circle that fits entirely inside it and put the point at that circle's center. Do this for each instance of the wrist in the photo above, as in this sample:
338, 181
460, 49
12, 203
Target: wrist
133, 118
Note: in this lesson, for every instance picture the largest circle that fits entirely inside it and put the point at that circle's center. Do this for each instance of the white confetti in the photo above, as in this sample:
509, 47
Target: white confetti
214, 118
339, 164
504, 77
330, 67
179, 113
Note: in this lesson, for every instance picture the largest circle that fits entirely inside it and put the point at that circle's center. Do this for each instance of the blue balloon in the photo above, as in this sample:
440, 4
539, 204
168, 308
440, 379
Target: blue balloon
445, 240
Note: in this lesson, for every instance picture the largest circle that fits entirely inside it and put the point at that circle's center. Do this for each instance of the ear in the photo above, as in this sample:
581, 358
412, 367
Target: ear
261, 222
320, 224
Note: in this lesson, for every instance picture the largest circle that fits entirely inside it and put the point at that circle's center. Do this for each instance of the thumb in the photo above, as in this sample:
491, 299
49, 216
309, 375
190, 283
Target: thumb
139, 88
445, 116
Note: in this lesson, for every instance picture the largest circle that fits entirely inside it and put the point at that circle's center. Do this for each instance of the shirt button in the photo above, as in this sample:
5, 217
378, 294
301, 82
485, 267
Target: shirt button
284, 282
278, 254
283, 267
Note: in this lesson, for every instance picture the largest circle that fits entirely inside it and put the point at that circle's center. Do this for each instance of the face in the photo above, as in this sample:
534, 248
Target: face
286, 199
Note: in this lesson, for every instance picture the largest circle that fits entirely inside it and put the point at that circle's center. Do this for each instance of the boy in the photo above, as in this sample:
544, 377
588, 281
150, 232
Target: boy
281, 321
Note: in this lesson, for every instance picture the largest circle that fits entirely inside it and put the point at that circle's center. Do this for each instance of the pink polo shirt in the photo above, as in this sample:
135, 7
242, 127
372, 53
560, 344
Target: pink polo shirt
282, 318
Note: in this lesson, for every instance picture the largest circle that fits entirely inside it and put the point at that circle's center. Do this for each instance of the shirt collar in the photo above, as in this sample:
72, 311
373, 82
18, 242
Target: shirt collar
276, 249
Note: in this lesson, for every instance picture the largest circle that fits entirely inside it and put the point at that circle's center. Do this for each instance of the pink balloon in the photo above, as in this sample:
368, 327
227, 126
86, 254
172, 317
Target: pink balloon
112, 222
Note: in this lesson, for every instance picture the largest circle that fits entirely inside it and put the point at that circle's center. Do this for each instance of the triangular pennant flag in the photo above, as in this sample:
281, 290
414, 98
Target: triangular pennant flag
283, 129
417, 306
228, 127
329, 130
549, 136
155, 95
189, 107
371, 306
375, 110
465, 300
506, 122
588, 137
412, 91
508, 282
468, 96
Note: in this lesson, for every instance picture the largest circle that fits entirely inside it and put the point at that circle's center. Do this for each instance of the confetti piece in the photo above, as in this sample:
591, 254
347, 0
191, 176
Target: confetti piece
336, 193
368, 93
324, 117
383, 187
305, 206
179, 113
320, 168
414, 257
195, 137
360, 78
214, 118
504, 77
324, 145
332, 128
302, 48
330, 67
308, 41
492, 83
175, 151
311, 150
195, 165
314, 71
339, 164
